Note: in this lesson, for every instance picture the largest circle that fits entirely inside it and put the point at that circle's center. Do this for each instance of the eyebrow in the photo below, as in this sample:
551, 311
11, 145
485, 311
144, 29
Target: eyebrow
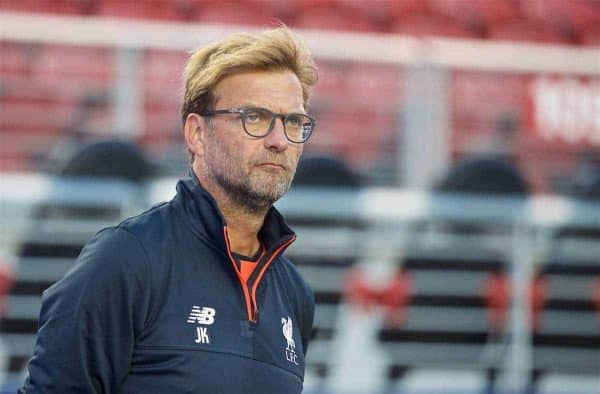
301, 111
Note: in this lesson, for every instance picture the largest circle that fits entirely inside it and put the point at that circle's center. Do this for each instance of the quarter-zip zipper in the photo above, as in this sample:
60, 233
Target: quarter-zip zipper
250, 294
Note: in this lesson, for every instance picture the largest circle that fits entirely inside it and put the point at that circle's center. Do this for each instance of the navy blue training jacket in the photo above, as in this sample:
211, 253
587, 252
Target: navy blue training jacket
157, 305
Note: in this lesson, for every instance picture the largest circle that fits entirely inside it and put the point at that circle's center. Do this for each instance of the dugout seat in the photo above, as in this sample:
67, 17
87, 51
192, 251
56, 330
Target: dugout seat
325, 171
586, 182
484, 176
109, 159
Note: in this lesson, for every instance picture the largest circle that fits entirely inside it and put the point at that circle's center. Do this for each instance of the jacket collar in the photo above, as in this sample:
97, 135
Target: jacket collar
208, 222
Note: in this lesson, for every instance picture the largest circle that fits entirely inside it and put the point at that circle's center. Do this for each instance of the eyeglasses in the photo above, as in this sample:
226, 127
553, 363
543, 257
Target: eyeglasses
259, 122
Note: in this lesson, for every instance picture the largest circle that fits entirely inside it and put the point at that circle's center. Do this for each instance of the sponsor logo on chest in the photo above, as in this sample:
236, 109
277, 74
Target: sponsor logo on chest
204, 316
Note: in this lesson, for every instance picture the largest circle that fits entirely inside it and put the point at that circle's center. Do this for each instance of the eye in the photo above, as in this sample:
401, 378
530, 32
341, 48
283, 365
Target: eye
253, 116
294, 120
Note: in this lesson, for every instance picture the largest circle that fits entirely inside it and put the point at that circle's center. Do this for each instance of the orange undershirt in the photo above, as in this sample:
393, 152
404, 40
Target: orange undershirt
246, 268
247, 265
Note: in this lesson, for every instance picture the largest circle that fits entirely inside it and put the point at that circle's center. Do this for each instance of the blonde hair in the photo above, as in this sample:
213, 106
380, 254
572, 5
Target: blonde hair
274, 49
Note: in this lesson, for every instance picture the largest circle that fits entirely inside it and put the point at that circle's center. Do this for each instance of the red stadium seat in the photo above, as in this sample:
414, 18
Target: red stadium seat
283, 8
16, 59
45, 107
67, 62
236, 12
334, 17
332, 85
356, 136
574, 14
162, 98
496, 293
42, 93
380, 11
478, 100
164, 66
590, 35
477, 13
149, 9
427, 24
47, 6
375, 87
394, 296
528, 31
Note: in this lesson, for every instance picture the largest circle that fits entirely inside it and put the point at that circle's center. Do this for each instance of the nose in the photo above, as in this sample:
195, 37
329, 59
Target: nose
276, 140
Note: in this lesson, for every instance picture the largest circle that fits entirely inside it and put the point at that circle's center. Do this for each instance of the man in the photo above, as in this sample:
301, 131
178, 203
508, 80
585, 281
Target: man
194, 295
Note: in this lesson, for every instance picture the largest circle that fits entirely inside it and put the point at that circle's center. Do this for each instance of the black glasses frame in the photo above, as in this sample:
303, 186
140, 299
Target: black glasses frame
245, 111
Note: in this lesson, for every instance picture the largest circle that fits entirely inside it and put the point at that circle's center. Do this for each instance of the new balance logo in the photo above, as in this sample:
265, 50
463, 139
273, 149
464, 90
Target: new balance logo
203, 315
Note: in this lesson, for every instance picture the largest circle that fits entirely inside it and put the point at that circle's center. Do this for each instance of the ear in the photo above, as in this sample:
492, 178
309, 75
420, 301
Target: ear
194, 132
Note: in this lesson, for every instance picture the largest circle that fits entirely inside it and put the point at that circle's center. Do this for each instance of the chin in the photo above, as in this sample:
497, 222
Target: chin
272, 192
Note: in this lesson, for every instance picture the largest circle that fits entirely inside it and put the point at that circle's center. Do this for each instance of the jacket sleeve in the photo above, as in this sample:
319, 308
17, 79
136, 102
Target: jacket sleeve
89, 319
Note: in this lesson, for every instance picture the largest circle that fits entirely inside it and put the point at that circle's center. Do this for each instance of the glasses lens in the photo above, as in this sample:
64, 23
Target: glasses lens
298, 127
257, 121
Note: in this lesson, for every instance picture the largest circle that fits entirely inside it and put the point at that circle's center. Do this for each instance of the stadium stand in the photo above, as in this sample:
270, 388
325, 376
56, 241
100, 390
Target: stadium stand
502, 20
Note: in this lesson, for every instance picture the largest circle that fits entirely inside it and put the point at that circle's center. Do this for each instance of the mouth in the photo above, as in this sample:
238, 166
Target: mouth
272, 166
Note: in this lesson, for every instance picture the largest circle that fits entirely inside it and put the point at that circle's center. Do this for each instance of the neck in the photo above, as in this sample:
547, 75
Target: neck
243, 223
242, 229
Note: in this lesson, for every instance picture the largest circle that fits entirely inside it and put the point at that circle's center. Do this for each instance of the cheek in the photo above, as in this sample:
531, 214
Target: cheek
296, 153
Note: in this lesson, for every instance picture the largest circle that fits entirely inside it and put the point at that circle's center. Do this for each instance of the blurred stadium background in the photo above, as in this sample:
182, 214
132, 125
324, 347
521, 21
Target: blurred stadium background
448, 205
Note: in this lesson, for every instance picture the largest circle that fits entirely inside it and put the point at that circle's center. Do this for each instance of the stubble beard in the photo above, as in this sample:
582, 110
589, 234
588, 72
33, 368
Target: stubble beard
255, 192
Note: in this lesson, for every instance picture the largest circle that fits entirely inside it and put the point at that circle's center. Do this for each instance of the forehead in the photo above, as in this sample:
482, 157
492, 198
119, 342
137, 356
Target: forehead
279, 91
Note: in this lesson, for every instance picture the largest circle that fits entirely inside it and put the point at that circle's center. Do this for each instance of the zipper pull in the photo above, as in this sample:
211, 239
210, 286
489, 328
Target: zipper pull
255, 316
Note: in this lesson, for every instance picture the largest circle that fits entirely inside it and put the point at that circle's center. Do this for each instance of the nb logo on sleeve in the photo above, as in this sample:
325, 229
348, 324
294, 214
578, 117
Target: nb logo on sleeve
205, 315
